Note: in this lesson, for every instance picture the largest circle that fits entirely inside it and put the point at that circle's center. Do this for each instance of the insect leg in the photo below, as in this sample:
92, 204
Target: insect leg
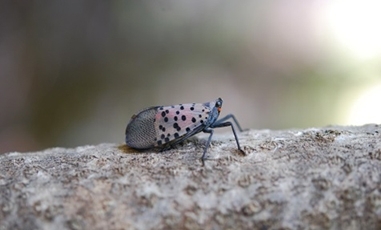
228, 117
224, 124
181, 139
207, 130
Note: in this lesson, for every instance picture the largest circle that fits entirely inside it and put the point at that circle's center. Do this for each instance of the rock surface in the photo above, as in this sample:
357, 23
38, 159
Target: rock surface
316, 178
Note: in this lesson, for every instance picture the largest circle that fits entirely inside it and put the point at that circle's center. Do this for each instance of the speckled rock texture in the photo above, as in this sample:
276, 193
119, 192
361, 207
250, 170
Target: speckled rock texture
320, 178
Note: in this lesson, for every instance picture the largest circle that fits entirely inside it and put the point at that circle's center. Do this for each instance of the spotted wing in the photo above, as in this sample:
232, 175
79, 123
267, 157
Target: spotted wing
173, 122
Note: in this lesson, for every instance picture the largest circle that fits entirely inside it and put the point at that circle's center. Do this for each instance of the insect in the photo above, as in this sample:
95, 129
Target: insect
165, 126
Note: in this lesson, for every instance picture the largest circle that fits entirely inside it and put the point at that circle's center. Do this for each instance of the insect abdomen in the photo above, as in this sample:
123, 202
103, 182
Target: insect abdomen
140, 131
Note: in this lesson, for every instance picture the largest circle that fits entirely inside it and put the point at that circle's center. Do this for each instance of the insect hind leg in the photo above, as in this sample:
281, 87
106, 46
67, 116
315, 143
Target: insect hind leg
222, 120
207, 130
173, 143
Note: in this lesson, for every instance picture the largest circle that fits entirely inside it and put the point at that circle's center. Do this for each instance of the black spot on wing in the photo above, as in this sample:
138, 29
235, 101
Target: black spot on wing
176, 126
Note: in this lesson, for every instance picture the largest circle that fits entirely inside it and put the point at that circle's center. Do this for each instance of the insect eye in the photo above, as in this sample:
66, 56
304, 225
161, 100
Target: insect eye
218, 104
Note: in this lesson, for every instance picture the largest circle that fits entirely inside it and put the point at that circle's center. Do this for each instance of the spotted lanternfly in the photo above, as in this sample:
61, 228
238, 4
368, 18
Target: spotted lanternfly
165, 126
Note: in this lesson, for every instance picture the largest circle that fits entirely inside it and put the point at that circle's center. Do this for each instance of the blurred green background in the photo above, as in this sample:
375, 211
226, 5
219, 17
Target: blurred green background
73, 72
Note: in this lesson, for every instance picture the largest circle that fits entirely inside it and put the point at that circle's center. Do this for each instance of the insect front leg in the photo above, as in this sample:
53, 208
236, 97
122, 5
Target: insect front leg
224, 124
222, 120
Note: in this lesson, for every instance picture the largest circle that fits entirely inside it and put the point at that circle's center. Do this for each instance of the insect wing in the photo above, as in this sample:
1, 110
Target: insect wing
173, 122
140, 131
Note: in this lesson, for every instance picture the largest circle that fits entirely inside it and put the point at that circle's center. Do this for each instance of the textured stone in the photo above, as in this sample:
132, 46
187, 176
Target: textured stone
292, 179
